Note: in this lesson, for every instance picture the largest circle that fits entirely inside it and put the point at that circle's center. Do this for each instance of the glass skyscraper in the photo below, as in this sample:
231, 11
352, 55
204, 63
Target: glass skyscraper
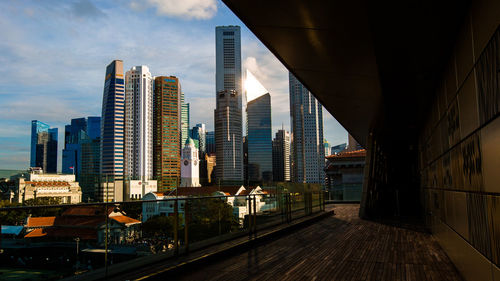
113, 124
184, 121
259, 139
167, 132
79, 131
43, 146
306, 118
198, 133
81, 153
281, 156
210, 142
228, 112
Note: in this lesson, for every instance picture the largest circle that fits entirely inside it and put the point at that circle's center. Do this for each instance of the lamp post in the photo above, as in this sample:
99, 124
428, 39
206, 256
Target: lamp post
77, 239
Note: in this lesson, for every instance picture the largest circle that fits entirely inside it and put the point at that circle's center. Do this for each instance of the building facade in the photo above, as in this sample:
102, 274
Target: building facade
228, 112
81, 153
210, 142
185, 118
167, 132
138, 123
306, 119
259, 139
43, 146
112, 128
199, 133
281, 156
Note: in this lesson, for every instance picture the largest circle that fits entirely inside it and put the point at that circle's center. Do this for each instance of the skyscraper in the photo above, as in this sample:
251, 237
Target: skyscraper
228, 112
167, 132
81, 130
308, 152
210, 142
139, 123
281, 156
327, 147
259, 138
43, 146
199, 133
184, 121
112, 126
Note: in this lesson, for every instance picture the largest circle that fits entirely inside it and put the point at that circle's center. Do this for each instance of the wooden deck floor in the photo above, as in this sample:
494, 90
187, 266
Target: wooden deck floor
340, 247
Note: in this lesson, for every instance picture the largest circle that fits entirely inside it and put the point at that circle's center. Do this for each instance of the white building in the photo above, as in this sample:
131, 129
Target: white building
138, 123
139, 188
236, 197
190, 165
38, 185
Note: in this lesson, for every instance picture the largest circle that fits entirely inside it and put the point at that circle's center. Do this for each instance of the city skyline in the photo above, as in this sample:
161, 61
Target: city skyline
84, 47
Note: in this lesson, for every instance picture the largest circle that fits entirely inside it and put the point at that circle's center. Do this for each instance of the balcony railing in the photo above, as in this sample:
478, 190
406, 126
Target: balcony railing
63, 240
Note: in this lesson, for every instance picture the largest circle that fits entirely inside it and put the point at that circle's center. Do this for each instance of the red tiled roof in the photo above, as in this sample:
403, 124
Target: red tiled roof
199, 191
87, 211
125, 220
57, 232
350, 154
48, 183
40, 221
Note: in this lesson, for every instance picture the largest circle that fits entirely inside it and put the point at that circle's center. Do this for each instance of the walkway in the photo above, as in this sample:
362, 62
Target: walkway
340, 247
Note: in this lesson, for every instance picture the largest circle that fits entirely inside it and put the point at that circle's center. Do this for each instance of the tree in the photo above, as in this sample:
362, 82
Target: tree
13, 217
210, 217
158, 226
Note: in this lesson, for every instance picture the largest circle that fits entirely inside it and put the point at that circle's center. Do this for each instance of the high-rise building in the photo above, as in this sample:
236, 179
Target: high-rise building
308, 152
79, 131
199, 133
281, 156
259, 138
81, 153
326, 145
228, 112
167, 132
338, 148
43, 146
112, 129
210, 142
139, 123
185, 118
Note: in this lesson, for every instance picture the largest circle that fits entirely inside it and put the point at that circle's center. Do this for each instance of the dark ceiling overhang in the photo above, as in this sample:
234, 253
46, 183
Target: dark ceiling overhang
373, 65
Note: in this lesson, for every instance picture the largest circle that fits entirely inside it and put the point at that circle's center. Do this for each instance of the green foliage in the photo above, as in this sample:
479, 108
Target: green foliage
13, 217
132, 209
44, 201
209, 218
159, 226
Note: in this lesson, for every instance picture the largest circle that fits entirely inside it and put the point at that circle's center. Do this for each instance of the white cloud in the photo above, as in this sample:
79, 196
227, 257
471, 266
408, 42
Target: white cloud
183, 9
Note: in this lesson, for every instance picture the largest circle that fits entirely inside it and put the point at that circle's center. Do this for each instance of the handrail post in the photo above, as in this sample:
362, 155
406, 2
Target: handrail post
255, 215
186, 226
249, 220
176, 228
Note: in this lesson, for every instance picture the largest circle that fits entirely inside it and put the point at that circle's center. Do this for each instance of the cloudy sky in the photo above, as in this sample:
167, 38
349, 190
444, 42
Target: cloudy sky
54, 53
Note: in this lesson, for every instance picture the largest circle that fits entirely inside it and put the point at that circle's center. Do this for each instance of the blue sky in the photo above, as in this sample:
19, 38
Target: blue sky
54, 53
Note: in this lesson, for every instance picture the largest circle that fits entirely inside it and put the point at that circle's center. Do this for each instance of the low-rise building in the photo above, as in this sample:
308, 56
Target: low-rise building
37, 184
344, 175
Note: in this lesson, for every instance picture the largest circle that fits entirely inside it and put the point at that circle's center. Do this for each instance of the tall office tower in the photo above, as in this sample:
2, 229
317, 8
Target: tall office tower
43, 146
306, 116
210, 142
281, 156
90, 160
199, 133
259, 138
112, 129
79, 131
139, 123
327, 147
184, 121
81, 153
228, 112
167, 132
